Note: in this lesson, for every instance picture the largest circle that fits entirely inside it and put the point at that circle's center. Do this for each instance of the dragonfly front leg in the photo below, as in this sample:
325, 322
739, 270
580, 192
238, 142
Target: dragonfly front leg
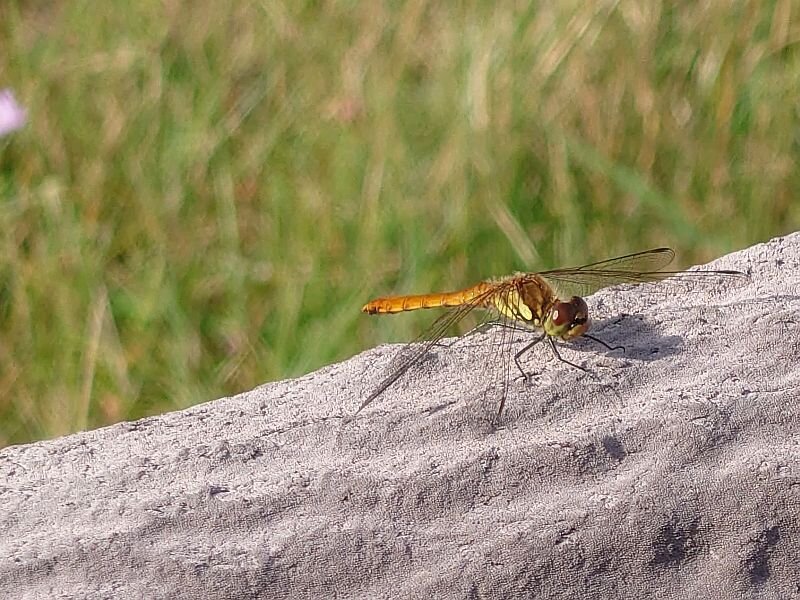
566, 362
563, 360
601, 342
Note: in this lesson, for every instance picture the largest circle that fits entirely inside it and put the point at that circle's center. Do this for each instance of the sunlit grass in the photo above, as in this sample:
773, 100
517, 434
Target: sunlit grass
206, 193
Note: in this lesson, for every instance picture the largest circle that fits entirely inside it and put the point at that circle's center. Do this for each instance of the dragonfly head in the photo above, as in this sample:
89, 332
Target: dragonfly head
567, 320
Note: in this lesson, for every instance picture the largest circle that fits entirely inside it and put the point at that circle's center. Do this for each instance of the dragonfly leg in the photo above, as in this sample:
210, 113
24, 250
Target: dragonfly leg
602, 343
500, 408
525, 375
566, 362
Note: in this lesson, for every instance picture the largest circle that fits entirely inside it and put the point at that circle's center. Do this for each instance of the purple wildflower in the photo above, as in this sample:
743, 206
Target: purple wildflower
12, 115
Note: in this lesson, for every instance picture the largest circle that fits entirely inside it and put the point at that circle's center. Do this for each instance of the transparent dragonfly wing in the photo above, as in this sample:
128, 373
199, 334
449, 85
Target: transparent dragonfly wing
632, 269
647, 261
415, 351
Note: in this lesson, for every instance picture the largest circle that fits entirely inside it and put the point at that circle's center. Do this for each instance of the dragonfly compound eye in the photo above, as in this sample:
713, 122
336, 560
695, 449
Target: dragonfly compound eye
579, 323
563, 314
569, 319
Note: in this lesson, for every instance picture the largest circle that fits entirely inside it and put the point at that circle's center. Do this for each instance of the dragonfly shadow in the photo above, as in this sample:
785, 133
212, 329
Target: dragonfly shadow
624, 336
639, 340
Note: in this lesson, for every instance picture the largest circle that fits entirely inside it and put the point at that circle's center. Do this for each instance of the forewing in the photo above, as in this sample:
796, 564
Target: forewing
648, 260
641, 267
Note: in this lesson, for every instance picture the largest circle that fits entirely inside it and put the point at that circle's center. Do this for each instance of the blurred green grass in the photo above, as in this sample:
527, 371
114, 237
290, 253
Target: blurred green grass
206, 193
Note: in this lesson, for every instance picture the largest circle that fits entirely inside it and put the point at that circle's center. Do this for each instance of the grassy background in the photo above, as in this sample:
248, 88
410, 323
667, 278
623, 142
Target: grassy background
207, 192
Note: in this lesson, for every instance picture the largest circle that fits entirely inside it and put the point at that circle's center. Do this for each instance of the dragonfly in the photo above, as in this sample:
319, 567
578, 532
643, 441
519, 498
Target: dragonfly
548, 302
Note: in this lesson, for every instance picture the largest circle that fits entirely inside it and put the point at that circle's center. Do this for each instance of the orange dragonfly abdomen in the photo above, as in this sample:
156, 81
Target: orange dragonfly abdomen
396, 304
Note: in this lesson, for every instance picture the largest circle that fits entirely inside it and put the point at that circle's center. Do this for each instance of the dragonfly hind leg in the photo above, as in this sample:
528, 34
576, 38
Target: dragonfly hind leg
526, 376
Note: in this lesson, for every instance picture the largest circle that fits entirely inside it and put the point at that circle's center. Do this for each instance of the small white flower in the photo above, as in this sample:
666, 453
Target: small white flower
12, 115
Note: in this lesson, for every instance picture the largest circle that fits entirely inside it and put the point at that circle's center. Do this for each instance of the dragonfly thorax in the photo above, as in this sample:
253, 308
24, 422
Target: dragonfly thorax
531, 299
567, 320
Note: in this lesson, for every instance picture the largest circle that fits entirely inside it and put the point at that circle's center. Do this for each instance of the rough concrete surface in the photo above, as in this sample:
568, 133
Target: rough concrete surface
671, 471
